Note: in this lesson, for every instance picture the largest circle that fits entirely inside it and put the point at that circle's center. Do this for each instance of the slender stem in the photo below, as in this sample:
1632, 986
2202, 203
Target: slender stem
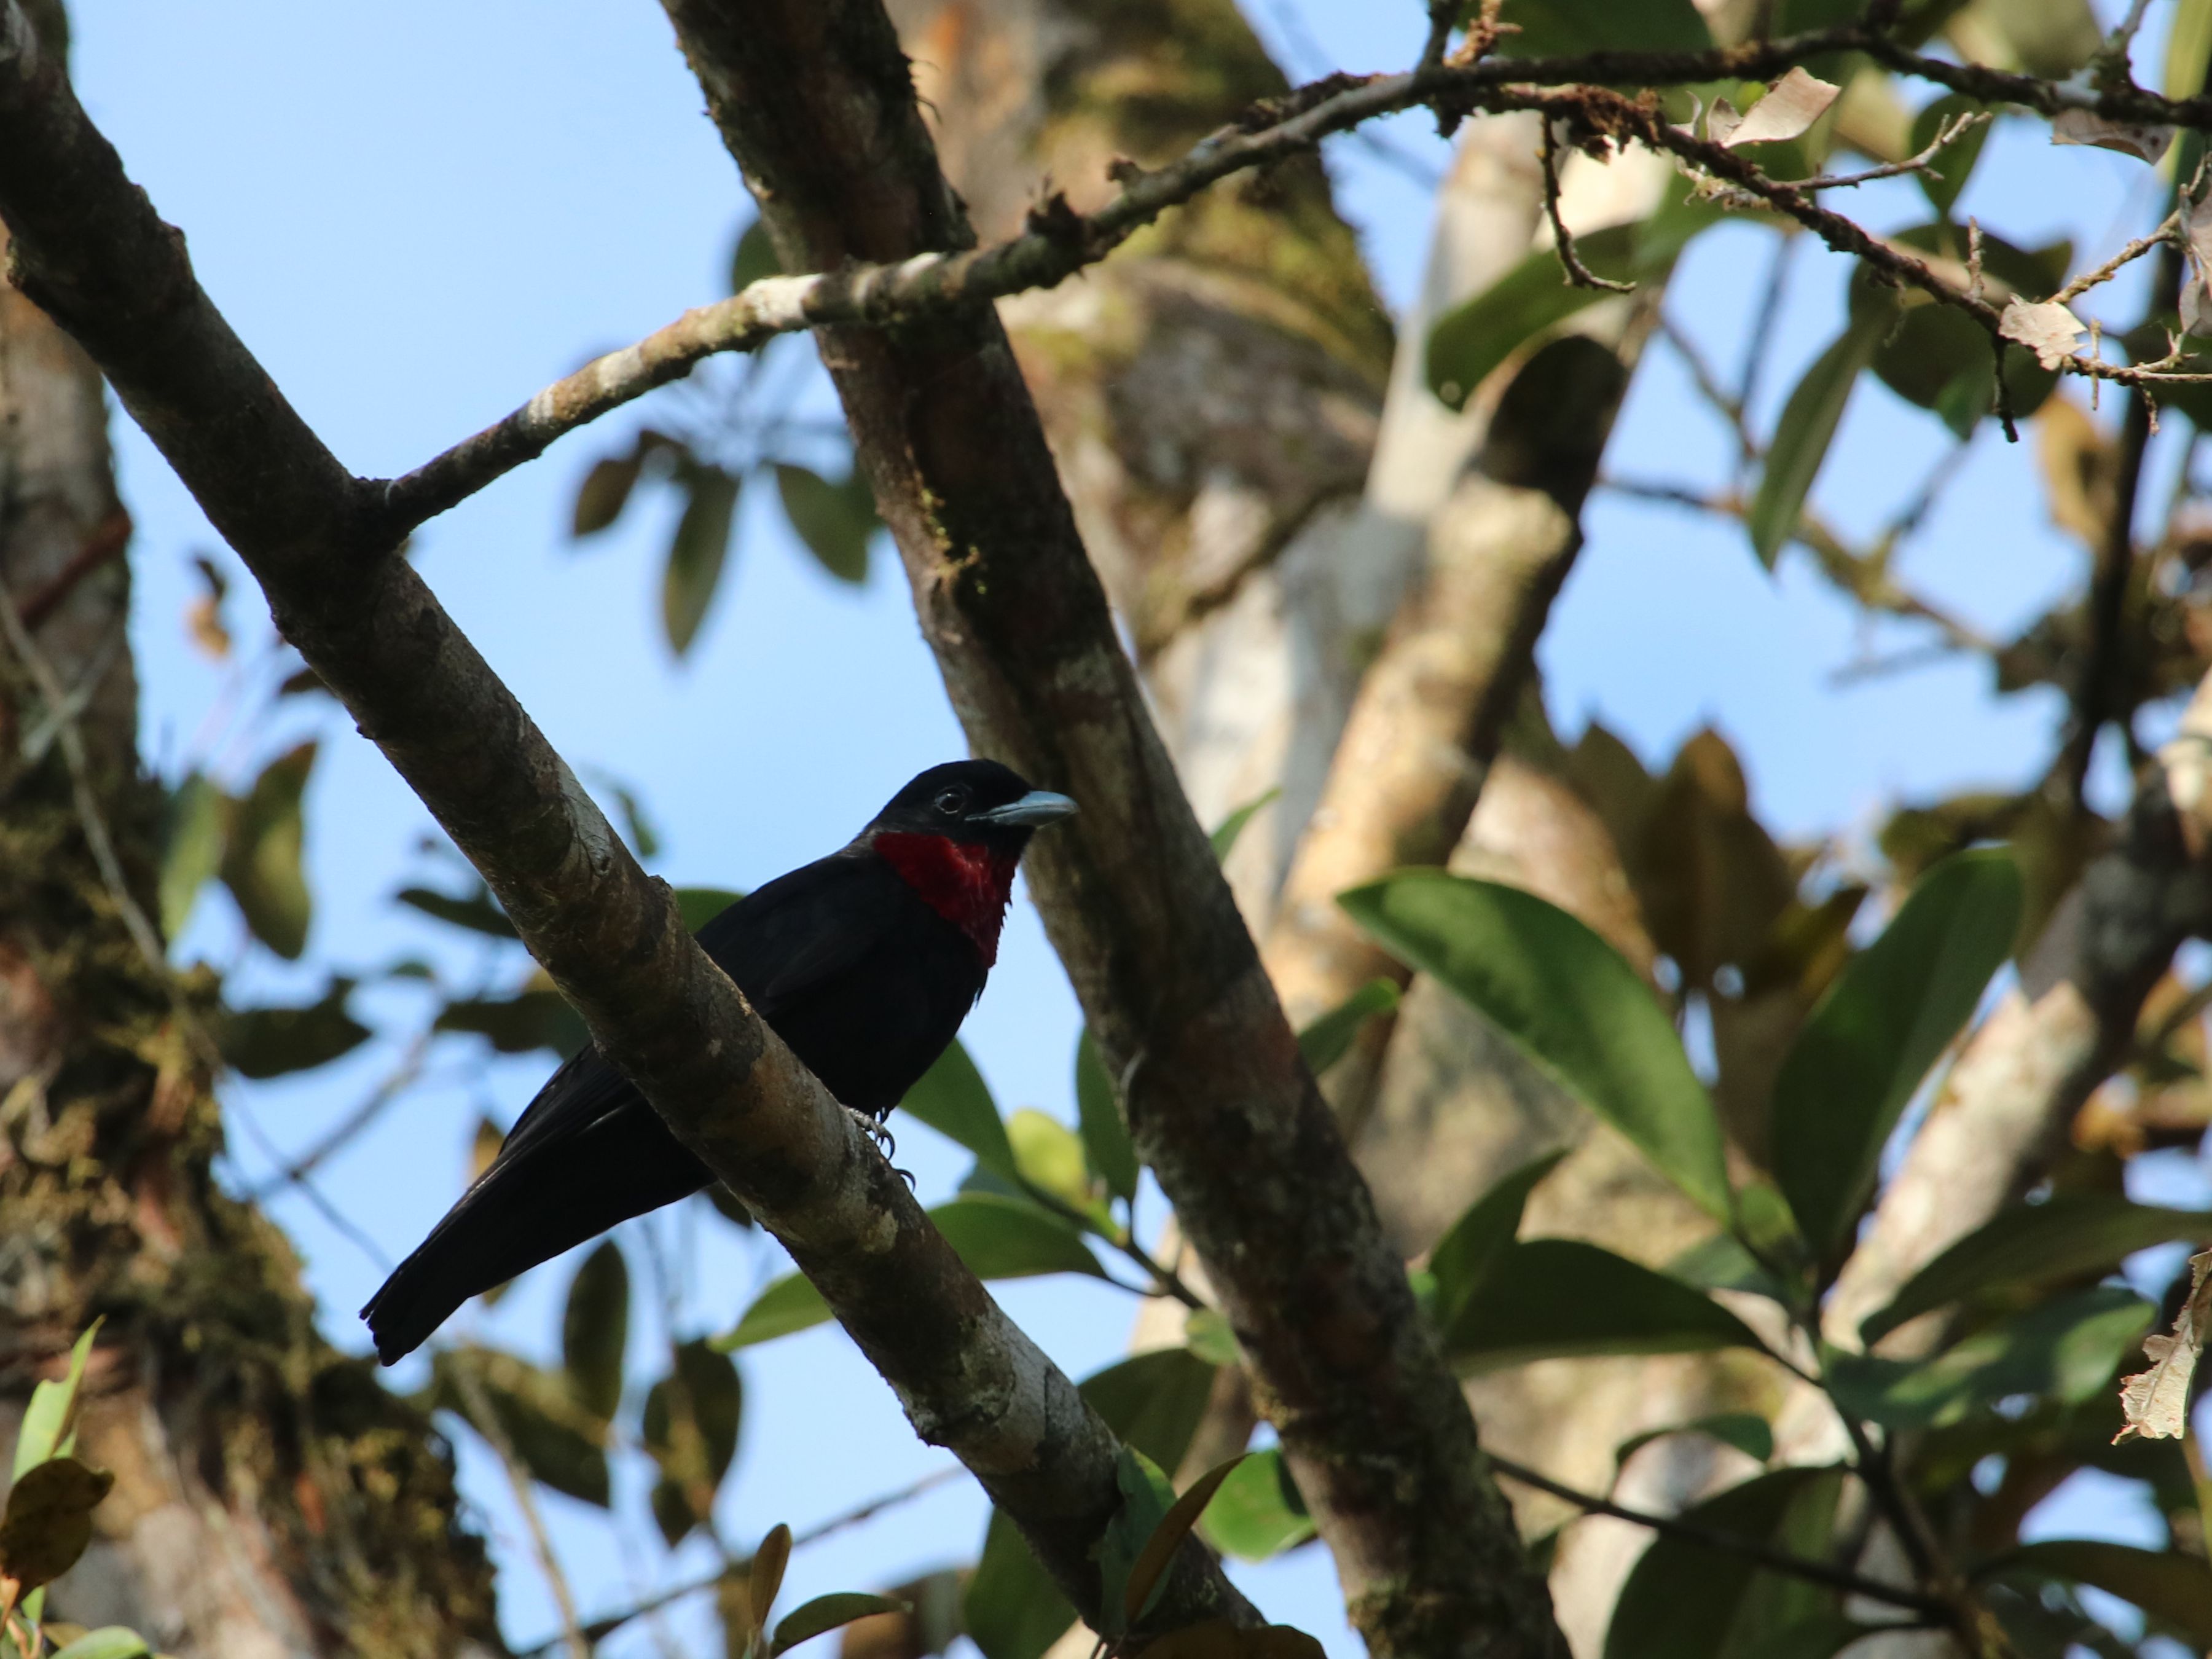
487, 1424
599, 1629
1728, 1543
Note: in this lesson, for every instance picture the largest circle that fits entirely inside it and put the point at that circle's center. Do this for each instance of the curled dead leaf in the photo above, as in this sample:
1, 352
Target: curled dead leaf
1790, 106
2144, 140
2155, 1404
2048, 329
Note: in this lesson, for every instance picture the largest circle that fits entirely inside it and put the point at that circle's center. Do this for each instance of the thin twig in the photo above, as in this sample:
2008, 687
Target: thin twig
486, 1422
1061, 241
1728, 1543
108, 538
1707, 382
1563, 241
2164, 234
1946, 134
402, 1077
599, 1629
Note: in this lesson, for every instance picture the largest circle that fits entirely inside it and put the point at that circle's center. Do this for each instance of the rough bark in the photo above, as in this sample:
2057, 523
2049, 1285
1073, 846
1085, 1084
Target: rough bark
271, 1498
816, 104
89, 251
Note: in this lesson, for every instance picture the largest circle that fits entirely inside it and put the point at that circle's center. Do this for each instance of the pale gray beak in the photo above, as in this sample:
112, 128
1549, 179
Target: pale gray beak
1039, 806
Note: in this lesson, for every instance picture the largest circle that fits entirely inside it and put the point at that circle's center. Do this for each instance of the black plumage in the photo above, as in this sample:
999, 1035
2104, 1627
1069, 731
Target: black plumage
865, 963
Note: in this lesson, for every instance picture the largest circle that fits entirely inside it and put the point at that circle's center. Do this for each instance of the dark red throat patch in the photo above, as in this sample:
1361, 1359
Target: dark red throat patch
969, 886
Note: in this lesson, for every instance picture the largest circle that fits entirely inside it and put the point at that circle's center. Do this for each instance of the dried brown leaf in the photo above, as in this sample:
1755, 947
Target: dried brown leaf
2139, 139
1789, 108
2048, 329
2155, 1402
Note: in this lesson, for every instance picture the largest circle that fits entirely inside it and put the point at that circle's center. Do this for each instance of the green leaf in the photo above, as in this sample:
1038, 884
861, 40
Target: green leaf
998, 1238
1563, 29
1566, 998
2050, 39
1147, 1497
788, 1304
1050, 1156
49, 1425
261, 860
478, 911
1956, 161
595, 1330
604, 493
1800, 440
1470, 341
828, 1612
1012, 1239
192, 829
1224, 837
833, 519
700, 905
47, 1522
109, 1642
691, 1419
952, 1099
1150, 1572
1867, 1046
265, 1042
1557, 1297
559, 1443
1483, 1237
1258, 1514
1210, 1336
1153, 1401
1013, 1609
1686, 1600
2173, 1588
752, 258
2188, 49
539, 1019
1821, 1637
1106, 1144
1749, 1433
697, 553
2068, 1348
2067, 1235
764, 1575
1328, 1038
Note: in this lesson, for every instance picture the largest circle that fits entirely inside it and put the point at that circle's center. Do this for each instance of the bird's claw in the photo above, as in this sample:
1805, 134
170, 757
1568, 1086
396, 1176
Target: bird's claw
886, 1142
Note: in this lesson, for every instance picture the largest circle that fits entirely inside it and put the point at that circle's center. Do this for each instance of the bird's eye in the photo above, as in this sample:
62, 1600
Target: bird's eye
953, 802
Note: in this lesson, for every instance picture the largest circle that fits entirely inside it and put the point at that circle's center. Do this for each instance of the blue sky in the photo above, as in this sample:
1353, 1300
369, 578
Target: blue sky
417, 215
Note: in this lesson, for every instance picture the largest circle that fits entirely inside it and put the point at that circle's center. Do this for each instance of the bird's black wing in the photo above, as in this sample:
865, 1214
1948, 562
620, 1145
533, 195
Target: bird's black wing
589, 1152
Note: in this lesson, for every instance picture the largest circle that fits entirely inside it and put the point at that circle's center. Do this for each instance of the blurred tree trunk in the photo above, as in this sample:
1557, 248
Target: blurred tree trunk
271, 1498
1216, 399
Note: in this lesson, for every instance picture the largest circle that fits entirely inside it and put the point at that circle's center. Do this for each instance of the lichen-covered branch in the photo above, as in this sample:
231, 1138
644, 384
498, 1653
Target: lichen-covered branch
88, 248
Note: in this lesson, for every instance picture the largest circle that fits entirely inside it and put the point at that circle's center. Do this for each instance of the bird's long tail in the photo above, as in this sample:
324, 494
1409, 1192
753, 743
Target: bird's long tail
525, 1209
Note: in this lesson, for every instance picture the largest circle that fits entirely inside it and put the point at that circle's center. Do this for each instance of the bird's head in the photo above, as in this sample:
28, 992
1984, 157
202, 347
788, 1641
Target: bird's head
956, 832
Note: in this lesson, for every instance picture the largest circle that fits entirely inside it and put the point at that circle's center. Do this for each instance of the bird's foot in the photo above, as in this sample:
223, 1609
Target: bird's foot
886, 1142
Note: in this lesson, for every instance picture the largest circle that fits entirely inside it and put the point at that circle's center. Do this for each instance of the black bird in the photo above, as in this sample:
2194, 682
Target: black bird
865, 963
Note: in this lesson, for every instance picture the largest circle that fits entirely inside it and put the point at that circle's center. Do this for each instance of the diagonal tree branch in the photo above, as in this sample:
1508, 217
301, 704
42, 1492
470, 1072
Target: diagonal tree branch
1059, 242
88, 248
816, 102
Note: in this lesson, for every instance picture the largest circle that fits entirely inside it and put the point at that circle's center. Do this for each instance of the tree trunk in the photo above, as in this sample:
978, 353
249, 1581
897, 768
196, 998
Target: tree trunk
271, 1498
